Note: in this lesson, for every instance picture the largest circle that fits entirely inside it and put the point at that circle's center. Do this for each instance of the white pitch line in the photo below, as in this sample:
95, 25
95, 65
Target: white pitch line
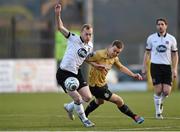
147, 128
29, 115
109, 117
165, 118
168, 118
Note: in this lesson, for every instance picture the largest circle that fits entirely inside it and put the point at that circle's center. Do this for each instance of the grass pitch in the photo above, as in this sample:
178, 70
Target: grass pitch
44, 112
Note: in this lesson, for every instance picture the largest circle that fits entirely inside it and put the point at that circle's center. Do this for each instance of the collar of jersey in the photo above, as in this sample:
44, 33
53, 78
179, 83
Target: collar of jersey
106, 53
163, 35
81, 39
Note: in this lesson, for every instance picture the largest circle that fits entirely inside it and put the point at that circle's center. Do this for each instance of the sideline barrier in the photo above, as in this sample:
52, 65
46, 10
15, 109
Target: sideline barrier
28, 75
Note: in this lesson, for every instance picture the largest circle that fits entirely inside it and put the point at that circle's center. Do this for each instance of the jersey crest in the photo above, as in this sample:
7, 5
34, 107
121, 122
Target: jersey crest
82, 52
106, 95
161, 48
167, 42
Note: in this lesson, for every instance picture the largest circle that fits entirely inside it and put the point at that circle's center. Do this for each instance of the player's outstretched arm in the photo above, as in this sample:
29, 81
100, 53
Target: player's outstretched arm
130, 73
60, 25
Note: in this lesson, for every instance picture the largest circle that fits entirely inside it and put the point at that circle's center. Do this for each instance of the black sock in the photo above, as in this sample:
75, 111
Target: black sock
91, 107
125, 109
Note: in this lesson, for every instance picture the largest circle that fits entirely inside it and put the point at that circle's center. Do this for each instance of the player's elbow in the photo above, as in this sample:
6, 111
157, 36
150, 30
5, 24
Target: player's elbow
59, 29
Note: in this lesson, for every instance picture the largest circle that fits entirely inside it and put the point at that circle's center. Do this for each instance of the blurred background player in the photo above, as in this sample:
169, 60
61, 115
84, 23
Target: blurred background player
97, 80
162, 50
78, 48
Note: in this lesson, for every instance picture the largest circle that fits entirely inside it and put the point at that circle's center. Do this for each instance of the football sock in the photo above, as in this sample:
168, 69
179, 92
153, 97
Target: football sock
70, 106
80, 111
91, 107
125, 109
163, 96
157, 103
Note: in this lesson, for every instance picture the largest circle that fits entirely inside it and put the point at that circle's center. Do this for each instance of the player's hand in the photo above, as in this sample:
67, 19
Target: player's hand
174, 74
144, 74
138, 76
57, 9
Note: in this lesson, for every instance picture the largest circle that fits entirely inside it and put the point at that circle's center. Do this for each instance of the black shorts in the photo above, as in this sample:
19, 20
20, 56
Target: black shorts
101, 92
61, 76
161, 74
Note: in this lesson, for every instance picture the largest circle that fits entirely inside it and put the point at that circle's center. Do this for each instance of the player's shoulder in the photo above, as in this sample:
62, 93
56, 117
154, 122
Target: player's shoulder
171, 37
100, 52
153, 35
72, 36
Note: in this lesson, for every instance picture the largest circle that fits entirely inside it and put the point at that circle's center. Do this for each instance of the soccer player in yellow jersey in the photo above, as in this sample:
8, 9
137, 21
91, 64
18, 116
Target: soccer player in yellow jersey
97, 80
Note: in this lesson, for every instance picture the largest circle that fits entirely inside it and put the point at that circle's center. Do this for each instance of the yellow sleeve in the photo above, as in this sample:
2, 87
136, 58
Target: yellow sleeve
117, 63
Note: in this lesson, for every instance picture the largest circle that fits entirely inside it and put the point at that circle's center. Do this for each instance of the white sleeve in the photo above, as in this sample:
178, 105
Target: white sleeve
174, 45
148, 44
72, 37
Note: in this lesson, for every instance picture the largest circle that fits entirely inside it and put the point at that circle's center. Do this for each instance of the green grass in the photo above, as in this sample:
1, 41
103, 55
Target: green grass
44, 112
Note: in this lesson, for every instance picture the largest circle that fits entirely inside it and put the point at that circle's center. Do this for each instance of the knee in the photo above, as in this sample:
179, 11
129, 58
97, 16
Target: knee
119, 102
158, 93
87, 98
166, 93
77, 100
100, 102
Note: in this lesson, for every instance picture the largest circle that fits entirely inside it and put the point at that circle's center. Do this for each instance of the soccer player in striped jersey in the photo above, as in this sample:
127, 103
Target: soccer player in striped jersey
162, 50
97, 80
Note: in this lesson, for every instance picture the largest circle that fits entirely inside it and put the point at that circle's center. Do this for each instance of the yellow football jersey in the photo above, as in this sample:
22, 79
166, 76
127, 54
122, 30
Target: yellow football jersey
97, 77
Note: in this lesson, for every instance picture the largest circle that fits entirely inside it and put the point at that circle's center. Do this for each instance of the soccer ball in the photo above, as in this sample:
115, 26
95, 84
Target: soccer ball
71, 83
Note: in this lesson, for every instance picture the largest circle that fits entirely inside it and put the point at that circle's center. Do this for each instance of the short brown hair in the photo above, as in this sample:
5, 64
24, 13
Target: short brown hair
162, 19
118, 43
86, 26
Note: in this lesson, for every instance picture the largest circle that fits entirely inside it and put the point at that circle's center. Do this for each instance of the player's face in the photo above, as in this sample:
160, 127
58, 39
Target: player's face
86, 35
114, 51
161, 27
